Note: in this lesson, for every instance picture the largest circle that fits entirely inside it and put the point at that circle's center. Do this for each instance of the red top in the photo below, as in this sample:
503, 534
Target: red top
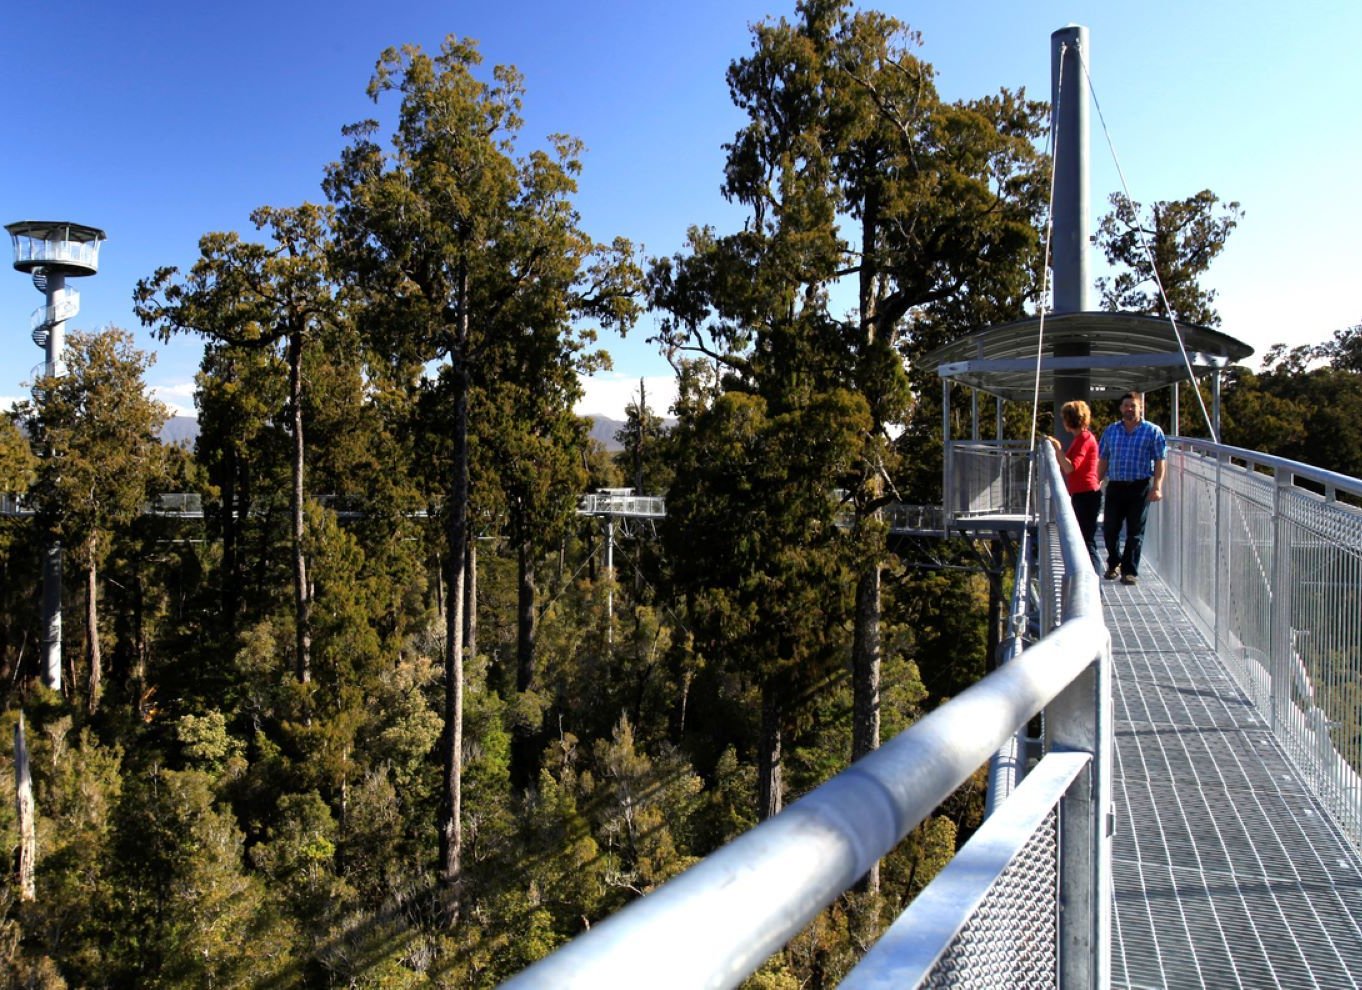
1083, 453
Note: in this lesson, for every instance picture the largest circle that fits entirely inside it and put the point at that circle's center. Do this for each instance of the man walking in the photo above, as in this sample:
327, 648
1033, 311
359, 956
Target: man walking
1131, 458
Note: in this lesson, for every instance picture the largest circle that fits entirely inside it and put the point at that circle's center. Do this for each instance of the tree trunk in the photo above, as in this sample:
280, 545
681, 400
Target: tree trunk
52, 660
526, 616
524, 749
685, 701
28, 835
639, 450
865, 649
440, 589
470, 600
865, 731
232, 517
451, 811
92, 654
770, 783
865, 679
302, 592
139, 648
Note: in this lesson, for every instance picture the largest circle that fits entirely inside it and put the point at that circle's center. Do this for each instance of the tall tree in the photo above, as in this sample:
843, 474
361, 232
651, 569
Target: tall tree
100, 430
17, 466
257, 296
1300, 408
1184, 236
460, 248
535, 444
859, 181
757, 554
641, 439
1344, 350
16, 458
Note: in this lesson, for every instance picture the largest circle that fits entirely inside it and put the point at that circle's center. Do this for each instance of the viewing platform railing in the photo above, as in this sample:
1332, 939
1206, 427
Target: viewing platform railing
985, 478
1026, 901
1266, 555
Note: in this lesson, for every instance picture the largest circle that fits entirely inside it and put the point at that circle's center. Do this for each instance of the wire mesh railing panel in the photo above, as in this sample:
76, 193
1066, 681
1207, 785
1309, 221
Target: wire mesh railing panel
1010, 939
1196, 549
1324, 664
1244, 615
1273, 571
608, 504
988, 478
991, 918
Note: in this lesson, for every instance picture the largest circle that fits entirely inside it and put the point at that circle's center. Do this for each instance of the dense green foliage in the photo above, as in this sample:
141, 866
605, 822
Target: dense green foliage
383, 718
1305, 403
1178, 240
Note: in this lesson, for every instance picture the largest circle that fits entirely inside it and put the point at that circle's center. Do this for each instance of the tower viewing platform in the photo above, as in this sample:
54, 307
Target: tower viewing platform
55, 246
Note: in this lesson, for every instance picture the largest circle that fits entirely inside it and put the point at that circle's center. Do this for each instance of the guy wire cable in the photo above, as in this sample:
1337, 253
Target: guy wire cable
1149, 255
1045, 276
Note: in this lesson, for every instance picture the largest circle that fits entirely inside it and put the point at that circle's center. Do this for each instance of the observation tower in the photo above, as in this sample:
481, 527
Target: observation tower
51, 251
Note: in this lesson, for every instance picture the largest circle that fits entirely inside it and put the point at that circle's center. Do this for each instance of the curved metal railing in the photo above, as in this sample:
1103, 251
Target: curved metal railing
719, 921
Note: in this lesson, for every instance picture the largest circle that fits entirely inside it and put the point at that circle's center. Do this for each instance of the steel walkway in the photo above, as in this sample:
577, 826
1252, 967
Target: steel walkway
1227, 870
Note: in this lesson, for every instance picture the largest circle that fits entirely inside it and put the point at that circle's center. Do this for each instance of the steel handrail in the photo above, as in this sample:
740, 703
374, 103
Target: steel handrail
1330, 480
715, 924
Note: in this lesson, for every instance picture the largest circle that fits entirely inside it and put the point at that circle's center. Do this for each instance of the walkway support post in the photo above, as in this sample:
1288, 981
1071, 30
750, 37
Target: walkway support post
1080, 720
948, 459
1280, 663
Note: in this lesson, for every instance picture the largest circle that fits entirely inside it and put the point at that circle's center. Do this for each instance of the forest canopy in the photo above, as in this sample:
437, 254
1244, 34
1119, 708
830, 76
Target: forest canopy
384, 716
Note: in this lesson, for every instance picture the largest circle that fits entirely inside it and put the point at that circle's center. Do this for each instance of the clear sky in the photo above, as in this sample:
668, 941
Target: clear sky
161, 121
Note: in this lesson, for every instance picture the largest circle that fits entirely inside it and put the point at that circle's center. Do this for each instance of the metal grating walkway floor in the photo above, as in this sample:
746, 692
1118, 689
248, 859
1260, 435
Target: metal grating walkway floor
1227, 870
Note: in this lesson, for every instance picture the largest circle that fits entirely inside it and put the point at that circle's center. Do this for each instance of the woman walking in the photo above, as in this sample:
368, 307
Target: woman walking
1079, 464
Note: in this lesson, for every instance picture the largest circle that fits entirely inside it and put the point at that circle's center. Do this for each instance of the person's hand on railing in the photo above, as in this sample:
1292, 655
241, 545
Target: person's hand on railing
1065, 465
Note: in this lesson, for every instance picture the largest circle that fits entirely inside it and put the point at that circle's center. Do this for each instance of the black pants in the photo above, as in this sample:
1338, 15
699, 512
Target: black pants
1086, 507
1127, 505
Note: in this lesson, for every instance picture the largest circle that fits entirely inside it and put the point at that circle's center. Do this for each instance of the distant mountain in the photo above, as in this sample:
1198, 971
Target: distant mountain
603, 428
180, 430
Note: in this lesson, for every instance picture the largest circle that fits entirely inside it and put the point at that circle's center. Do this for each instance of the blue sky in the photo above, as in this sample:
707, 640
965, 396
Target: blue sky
161, 121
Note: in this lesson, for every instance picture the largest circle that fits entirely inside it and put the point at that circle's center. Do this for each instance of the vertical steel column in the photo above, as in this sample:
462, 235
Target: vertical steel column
1080, 720
1178, 464
56, 298
1221, 519
1215, 405
1069, 242
51, 616
1069, 246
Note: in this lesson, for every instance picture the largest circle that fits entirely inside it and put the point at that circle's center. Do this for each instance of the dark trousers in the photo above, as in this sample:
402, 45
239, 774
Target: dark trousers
1086, 507
1127, 505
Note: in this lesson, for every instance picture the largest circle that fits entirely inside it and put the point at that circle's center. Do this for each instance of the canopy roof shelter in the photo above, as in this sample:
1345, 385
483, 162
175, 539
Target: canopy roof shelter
1119, 352
1091, 355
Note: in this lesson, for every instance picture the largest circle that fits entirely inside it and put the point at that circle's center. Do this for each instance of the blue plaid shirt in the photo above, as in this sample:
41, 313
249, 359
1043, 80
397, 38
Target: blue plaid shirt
1131, 456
